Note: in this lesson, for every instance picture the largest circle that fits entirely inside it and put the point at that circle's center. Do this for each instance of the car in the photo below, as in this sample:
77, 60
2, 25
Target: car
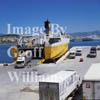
93, 49
78, 52
72, 55
92, 54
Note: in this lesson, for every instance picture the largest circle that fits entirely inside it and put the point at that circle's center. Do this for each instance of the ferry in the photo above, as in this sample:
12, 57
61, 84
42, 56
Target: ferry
57, 45
54, 45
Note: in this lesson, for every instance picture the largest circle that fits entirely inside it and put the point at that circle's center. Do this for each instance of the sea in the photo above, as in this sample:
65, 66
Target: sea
84, 43
5, 59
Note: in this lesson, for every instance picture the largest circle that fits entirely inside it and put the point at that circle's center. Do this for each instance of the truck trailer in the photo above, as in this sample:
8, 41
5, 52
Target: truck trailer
91, 83
59, 86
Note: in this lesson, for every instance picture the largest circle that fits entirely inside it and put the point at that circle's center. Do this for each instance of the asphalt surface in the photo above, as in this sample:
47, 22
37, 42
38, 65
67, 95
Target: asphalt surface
29, 90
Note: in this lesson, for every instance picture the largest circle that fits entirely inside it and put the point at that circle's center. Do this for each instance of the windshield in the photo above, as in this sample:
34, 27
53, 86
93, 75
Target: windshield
93, 49
72, 53
92, 52
78, 50
20, 62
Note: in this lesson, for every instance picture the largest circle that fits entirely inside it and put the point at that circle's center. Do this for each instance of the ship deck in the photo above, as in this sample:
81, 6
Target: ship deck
29, 90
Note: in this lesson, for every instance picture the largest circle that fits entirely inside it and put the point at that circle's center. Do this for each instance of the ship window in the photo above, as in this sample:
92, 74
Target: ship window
54, 40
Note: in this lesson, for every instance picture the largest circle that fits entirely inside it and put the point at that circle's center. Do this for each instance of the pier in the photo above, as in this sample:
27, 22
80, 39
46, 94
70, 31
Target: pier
29, 90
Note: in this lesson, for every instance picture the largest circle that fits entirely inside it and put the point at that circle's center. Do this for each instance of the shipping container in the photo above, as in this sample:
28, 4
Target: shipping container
59, 86
91, 83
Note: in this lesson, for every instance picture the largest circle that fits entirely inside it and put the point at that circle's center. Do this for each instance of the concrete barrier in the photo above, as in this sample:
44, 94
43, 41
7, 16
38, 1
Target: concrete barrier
62, 58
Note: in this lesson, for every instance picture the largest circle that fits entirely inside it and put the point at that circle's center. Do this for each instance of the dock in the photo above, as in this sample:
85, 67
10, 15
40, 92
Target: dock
29, 90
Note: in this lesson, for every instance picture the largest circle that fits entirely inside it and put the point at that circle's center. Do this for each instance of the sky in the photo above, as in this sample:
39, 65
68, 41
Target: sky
77, 15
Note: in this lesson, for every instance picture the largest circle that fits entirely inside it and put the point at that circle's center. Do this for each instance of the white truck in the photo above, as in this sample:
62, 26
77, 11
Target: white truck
59, 86
91, 83
23, 60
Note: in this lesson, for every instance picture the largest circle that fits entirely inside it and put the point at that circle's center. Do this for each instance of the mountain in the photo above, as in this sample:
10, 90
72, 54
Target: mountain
9, 35
97, 32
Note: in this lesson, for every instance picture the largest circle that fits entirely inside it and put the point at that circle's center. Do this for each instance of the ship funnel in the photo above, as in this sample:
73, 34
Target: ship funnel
47, 28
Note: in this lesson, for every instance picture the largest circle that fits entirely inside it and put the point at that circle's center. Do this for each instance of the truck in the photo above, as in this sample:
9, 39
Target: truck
23, 60
59, 86
20, 62
91, 83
